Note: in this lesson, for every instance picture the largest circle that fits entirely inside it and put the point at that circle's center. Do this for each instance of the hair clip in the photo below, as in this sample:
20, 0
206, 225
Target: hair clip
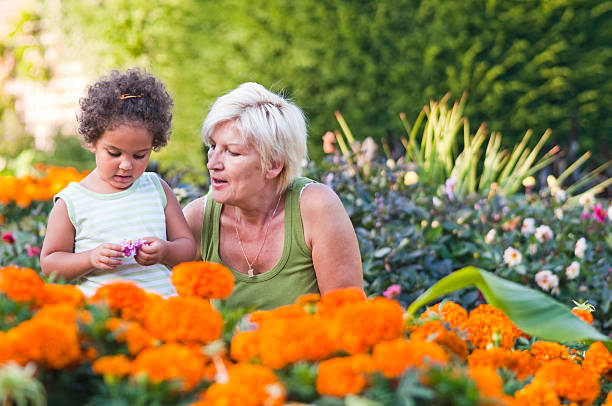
129, 96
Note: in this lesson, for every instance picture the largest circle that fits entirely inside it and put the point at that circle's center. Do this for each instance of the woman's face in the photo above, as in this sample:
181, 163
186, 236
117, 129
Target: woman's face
234, 166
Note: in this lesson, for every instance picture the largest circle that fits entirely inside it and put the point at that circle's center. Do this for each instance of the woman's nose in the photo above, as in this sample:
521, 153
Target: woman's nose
214, 160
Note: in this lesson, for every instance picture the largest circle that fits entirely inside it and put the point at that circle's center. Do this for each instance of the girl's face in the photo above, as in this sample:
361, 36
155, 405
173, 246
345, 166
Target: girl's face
234, 166
122, 155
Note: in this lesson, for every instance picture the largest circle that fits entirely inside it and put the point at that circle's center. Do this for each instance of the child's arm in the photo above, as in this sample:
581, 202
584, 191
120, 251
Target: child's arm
180, 246
57, 256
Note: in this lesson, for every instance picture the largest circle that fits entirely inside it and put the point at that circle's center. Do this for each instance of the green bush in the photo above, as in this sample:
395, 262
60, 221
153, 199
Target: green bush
524, 65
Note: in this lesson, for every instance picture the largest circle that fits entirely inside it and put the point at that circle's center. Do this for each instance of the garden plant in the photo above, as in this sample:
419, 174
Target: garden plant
499, 256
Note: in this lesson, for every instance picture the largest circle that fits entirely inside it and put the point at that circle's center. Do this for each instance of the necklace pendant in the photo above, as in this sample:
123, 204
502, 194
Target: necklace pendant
251, 272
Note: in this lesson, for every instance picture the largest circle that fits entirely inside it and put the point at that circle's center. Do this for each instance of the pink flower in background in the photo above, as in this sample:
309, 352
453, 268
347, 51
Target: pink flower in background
32, 251
599, 213
448, 186
328, 142
8, 238
392, 291
130, 247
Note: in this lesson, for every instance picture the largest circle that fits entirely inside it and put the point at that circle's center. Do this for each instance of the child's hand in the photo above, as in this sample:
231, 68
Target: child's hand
153, 251
106, 256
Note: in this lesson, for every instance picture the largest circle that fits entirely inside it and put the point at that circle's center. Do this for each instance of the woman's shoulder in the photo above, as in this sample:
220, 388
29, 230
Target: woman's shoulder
316, 197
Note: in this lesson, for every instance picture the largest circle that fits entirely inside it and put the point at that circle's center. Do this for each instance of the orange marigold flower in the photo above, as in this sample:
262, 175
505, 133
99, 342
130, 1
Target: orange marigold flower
436, 332
393, 357
546, 351
344, 375
245, 345
305, 337
248, 385
114, 365
132, 333
283, 312
46, 342
449, 312
608, 401
189, 319
63, 313
569, 380
584, 314
171, 362
21, 284
522, 363
356, 327
204, 279
123, 297
335, 299
69, 294
488, 326
487, 381
537, 394
309, 302
598, 359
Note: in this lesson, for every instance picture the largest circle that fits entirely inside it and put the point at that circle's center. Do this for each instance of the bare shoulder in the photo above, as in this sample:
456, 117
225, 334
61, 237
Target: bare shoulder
317, 197
194, 211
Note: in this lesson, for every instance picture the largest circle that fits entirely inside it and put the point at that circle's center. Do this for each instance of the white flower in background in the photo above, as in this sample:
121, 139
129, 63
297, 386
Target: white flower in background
610, 212
490, 237
547, 280
586, 199
581, 247
559, 213
528, 226
512, 257
436, 201
560, 195
410, 178
573, 270
544, 233
533, 249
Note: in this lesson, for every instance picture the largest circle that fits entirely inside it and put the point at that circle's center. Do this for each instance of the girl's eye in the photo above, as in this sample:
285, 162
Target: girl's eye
115, 154
139, 156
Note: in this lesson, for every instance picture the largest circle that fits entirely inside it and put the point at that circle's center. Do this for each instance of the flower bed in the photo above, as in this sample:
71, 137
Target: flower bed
127, 346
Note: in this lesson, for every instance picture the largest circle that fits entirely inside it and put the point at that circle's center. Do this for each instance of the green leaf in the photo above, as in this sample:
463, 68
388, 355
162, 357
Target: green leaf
533, 312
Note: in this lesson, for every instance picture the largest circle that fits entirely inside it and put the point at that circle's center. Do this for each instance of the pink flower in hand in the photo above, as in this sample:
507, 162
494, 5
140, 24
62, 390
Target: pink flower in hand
131, 247
392, 291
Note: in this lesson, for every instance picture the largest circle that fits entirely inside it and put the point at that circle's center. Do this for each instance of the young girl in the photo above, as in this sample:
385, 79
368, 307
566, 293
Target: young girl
96, 225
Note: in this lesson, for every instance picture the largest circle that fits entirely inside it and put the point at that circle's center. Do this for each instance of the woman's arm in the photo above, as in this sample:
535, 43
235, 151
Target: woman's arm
57, 256
180, 245
328, 232
194, 213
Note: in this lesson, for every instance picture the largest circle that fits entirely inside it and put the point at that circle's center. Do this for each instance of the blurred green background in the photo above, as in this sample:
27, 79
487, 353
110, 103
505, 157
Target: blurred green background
523, 64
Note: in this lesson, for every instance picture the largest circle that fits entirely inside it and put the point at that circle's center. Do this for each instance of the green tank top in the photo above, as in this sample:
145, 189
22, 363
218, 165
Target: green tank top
292, 276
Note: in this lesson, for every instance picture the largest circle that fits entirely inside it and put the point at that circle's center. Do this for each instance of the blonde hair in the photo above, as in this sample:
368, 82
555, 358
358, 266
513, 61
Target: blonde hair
272, 124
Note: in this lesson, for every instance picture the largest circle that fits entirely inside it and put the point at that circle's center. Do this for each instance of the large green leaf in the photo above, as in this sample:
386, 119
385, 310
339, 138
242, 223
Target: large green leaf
534, 312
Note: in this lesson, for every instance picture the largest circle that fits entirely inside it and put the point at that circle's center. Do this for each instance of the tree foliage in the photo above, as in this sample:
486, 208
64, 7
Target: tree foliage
523, 64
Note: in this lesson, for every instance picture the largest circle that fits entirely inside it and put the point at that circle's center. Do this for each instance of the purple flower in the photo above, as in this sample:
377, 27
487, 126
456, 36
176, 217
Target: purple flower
448, 186
130, 247
392, 291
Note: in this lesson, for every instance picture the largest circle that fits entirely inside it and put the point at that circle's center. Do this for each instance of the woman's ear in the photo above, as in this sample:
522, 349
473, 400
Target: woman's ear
274, 170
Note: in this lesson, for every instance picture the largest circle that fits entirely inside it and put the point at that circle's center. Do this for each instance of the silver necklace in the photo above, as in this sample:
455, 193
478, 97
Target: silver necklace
251, 271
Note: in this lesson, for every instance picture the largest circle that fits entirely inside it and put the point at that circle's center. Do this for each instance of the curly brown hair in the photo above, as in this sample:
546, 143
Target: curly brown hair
133, 97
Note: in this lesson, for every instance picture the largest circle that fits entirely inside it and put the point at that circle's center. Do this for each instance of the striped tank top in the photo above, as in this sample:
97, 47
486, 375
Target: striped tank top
136, 212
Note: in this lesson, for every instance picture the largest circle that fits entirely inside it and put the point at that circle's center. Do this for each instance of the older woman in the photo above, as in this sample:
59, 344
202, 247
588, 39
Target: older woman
280, 234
